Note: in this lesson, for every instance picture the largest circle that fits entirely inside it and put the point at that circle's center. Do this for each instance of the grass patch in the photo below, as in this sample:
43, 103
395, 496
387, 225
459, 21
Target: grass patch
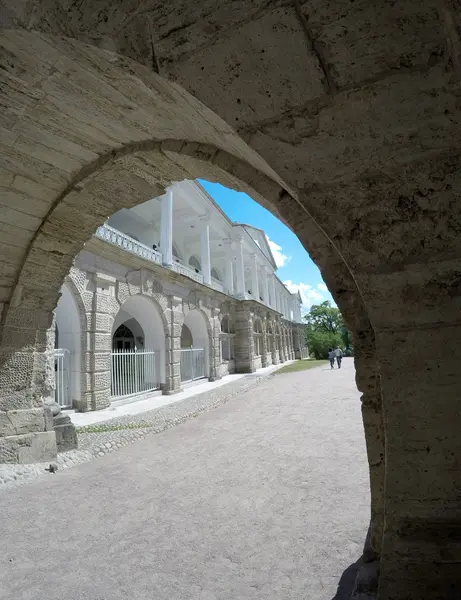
301, 365
104, 428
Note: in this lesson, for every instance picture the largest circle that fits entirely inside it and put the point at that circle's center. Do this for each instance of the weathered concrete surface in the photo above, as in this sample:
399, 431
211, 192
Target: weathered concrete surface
264, 497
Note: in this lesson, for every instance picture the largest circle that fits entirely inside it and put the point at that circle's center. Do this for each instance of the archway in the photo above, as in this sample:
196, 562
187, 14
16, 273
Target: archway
227, 343
138, 347
109, 157
68, 349
195, 335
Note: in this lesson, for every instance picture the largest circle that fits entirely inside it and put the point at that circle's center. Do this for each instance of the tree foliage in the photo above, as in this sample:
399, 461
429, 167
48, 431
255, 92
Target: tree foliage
326, 329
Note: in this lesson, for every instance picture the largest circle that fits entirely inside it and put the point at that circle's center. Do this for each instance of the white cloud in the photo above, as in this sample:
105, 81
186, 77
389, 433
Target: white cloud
309, 294
323, 287
279, 257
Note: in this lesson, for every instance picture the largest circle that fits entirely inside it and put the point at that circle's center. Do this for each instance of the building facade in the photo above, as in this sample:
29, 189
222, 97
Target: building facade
166, 293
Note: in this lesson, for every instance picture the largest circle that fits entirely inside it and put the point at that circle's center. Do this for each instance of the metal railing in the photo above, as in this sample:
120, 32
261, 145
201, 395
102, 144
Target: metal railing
193, 363
62, 393
133, 372
117, 238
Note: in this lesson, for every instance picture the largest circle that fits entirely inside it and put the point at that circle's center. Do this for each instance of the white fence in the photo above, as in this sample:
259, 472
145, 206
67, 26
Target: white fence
133, 372
62, 377
193, 363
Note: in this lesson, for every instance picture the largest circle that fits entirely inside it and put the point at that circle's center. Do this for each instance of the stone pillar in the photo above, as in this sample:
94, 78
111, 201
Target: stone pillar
243, 340
266, 286
175, 318
205, 258
166, 228
228, 268
419, 372
215, 350
240, 266
254, 277
96, 365
27, 382
264, 350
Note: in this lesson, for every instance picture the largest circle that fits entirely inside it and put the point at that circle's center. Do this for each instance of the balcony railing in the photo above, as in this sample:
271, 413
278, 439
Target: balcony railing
217, 285
127, 243
117, 238
183, 269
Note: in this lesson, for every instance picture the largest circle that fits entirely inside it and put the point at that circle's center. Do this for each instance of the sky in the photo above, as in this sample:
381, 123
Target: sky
296, 269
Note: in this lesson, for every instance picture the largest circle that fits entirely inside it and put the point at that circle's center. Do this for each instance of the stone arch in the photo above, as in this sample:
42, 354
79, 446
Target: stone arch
82, 164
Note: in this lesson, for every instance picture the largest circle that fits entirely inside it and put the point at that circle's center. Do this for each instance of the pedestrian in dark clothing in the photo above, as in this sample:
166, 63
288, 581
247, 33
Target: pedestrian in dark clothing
331, 357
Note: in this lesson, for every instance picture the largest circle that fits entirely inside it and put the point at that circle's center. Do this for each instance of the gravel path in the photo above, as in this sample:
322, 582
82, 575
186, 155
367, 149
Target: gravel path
264, 498
108, 436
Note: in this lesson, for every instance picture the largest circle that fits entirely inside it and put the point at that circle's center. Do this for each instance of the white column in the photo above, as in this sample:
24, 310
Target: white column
254, 277
266, 286
228, 268
240, 267
166, 228
205, 258
273, 298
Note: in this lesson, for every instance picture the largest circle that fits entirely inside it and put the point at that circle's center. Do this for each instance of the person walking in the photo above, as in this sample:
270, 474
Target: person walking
339, 356
331, 357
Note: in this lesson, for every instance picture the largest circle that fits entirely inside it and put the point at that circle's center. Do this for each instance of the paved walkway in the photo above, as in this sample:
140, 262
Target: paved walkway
264, 497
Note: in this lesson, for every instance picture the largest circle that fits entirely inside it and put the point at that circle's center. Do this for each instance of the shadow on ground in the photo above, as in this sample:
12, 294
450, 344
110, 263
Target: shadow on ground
347, 582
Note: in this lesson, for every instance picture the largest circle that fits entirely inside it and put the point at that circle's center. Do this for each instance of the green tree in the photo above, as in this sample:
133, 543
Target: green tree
326, 329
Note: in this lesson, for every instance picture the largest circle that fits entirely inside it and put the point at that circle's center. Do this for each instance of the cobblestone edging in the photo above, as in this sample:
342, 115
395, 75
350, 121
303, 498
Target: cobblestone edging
97, 440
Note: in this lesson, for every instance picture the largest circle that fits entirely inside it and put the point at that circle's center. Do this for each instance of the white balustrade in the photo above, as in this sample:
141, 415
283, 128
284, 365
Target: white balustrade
117, 238
183, 269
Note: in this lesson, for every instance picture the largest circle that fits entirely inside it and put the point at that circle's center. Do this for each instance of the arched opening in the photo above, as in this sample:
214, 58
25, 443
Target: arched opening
68, 350
227, 344
195, 264
195, 352
124, 338
216, 274
258, 341
138, 348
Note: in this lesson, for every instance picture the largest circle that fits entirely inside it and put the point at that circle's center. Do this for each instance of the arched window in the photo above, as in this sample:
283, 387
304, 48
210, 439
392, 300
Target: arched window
123, 339
195, 264
270, 337
177, 256
186, 337
227, 339
257, 334
216, 274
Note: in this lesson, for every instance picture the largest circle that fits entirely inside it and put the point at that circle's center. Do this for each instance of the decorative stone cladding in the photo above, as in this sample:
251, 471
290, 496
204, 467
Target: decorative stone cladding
101, 289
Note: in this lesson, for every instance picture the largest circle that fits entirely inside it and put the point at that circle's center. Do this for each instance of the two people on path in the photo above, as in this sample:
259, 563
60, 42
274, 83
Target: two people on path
335, 354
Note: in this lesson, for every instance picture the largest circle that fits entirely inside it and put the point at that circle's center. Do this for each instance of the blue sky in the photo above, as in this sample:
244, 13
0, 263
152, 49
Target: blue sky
296, 269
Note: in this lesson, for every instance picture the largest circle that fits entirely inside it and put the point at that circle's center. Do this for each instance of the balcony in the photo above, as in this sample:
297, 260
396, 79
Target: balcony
128, 244
179, 267
117, 238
